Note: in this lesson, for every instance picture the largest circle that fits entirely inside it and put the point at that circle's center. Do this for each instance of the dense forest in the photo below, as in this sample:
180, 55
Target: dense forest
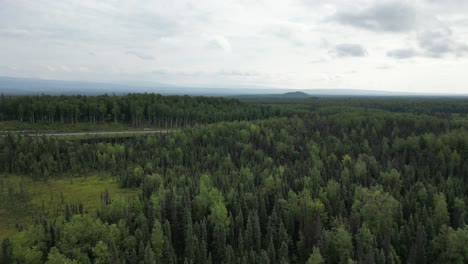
133, 109
259, 181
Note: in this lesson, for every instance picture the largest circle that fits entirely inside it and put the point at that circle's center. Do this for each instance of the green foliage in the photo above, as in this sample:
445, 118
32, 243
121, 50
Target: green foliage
219, 215
315, 181
101, 253
450, 246
55, 257
377, 208
157, 240
209, 199
441, 216
82, 238
28, 246
316, 257
132, 109
339, 245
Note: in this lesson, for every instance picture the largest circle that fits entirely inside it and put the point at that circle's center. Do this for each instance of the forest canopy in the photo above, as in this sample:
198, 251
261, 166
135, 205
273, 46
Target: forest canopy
357, 180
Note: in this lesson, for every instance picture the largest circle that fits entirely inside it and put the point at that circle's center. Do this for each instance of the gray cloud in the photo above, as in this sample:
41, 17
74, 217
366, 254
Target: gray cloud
402, 53
439, 42
152, 25
350, 50
434, 43
387, 17
289, 31
140, 55
15, 33
453, 5
84, 22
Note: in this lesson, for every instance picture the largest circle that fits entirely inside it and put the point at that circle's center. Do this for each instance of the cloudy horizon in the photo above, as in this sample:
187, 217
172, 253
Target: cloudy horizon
396, 45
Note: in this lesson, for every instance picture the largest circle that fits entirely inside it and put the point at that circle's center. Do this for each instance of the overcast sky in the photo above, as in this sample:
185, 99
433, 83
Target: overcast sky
418, 46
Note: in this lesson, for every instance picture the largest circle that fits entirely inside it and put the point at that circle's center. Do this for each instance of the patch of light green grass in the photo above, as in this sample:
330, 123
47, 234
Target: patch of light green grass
51, 197
60, 127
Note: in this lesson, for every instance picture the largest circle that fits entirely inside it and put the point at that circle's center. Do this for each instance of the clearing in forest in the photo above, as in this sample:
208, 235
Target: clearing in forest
22, 199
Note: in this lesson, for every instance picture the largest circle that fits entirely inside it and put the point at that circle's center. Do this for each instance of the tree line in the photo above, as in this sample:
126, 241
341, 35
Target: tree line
132, 109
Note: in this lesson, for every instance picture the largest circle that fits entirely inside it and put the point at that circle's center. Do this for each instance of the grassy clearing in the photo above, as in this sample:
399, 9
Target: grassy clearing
112, 135
21, 198
59, 127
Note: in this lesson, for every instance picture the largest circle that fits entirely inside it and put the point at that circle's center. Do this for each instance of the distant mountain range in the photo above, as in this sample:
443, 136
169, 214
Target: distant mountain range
24, 86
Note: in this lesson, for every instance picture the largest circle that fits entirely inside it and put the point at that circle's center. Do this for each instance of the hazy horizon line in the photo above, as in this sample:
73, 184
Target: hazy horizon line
250, 89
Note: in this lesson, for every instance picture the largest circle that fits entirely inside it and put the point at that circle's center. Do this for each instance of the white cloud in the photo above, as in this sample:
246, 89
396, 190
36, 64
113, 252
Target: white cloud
220, 42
